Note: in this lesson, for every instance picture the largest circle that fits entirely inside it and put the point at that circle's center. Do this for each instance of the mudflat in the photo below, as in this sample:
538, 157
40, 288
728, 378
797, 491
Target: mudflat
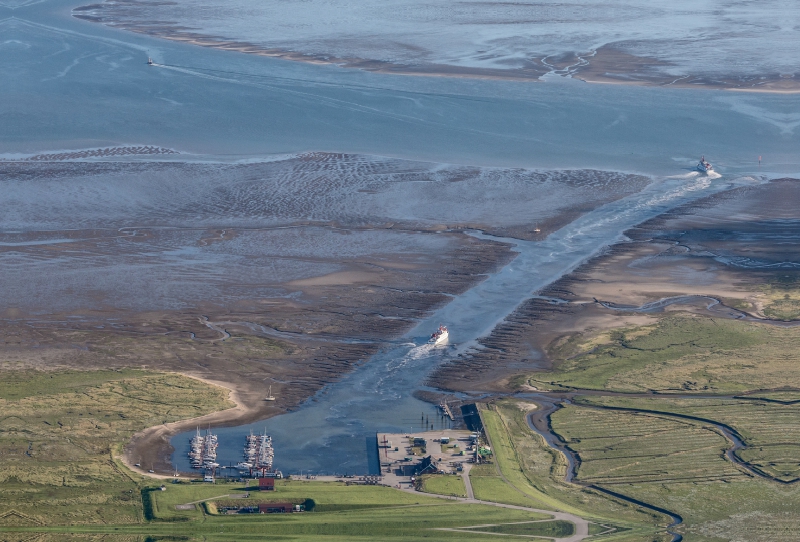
284, 273
728, 256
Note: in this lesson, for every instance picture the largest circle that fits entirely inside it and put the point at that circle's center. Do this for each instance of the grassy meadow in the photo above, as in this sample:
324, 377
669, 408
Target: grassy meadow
527, 472
443, 484
769, 429
682, 353
679, 465
744, 375
59, 432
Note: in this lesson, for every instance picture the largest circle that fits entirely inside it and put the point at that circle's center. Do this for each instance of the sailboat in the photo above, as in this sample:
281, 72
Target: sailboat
269, 396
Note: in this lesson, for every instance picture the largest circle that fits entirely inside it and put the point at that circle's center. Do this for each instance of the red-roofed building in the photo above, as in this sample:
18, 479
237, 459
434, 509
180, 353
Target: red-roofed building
266, 484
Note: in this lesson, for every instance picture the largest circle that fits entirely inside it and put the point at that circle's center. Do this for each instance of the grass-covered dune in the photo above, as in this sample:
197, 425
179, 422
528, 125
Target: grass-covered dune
59, 432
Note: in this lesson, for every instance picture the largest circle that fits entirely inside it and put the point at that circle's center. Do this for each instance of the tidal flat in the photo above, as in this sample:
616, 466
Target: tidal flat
718, 44
284, 273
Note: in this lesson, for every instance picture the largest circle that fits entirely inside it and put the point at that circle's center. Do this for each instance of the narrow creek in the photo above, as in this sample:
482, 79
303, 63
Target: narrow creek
334, 431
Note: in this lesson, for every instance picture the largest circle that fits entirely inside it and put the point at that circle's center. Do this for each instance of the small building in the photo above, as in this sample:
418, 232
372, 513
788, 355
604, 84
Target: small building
275, 508
266, 484
425, 466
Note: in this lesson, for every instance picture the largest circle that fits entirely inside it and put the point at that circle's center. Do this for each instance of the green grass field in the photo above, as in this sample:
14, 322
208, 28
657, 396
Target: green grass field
625, 447
531, 474
58, 431
682, 353
771, 430
341, 513
679, 465
444, 484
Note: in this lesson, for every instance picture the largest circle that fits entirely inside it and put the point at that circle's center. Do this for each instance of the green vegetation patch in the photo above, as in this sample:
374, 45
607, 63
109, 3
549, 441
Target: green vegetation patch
770, 430
680, 465
682, 353
628, 447
443, 484
533, 473
327, 497
786, 309
58, 430
782, 297
788, 396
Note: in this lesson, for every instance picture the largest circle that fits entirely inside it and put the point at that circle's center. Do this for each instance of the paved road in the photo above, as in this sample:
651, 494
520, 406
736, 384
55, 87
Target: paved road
467, 483
581, 525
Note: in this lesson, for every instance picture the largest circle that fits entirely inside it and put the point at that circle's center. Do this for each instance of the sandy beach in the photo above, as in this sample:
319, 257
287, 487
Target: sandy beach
151, 446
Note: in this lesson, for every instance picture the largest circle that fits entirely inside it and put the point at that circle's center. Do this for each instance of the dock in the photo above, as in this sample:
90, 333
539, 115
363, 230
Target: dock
446, 409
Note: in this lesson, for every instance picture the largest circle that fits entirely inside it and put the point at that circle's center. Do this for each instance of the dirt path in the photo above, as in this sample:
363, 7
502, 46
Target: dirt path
467, 483
581, 525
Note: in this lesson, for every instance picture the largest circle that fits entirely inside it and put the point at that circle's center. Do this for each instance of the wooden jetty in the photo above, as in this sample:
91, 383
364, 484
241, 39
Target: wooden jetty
446, 409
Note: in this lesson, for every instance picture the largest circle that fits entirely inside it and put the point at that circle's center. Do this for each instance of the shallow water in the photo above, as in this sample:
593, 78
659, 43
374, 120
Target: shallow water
75, 84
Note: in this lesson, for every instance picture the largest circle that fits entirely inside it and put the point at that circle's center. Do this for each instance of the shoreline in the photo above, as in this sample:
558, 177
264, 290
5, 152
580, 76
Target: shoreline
532, 74
158, 436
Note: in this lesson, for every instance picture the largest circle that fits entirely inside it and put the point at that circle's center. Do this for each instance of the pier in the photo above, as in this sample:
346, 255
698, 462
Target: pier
446, 409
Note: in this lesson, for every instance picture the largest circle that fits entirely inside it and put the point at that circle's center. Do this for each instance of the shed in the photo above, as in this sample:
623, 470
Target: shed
266, 484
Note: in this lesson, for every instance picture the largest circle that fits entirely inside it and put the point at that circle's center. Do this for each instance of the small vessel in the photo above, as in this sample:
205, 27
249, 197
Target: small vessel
149, 61
704, 166
269, 396
440, 335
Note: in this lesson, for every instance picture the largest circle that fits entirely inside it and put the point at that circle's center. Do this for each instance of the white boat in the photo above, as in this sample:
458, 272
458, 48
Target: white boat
149, 61
269, 396
704, 166
439, 336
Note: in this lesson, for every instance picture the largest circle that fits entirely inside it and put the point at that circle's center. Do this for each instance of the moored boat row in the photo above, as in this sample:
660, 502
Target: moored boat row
203, 450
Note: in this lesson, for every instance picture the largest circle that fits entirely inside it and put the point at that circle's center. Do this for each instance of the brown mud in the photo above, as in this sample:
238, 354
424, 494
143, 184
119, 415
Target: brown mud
738, 247
216, 271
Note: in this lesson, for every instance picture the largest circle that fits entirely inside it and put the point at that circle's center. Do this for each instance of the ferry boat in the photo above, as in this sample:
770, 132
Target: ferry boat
704, 166
439, 336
